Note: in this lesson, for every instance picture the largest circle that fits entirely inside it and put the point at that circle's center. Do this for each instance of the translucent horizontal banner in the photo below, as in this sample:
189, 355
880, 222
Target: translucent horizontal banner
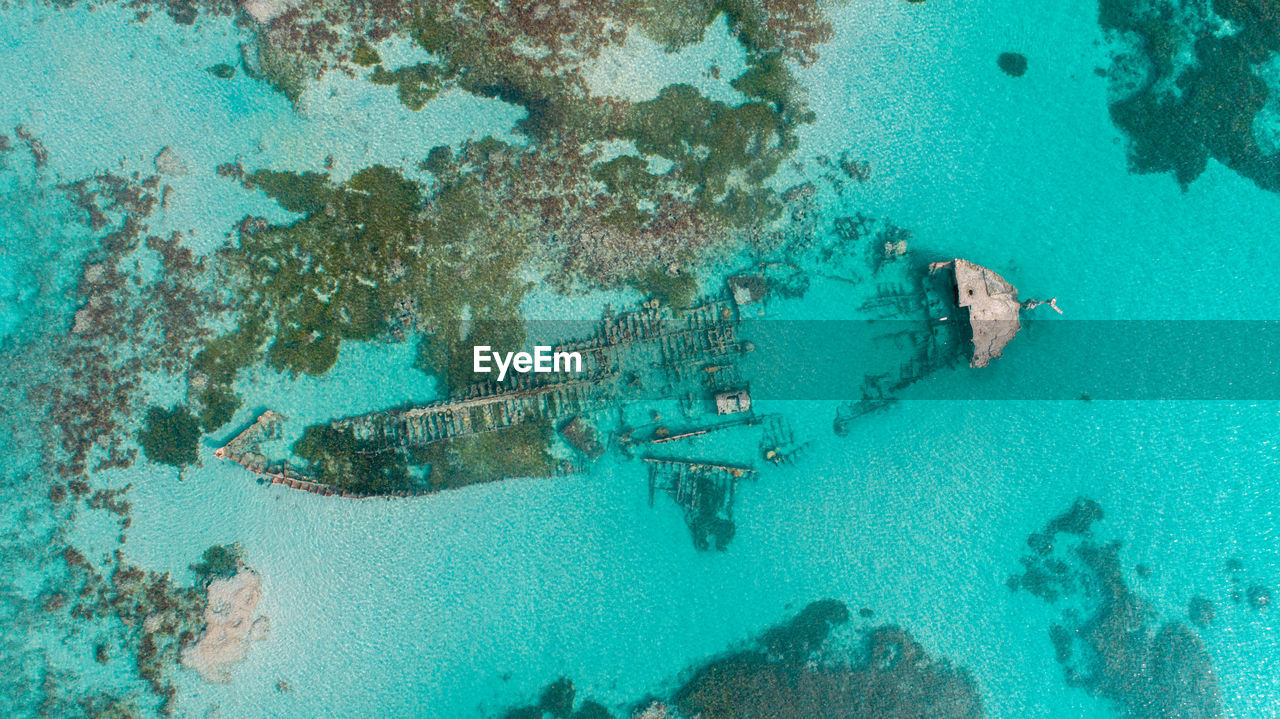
914, 359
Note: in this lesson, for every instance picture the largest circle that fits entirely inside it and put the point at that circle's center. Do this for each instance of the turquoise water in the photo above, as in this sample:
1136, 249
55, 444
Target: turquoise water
466, 602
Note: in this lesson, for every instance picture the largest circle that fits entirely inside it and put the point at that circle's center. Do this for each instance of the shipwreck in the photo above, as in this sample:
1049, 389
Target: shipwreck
994, 311
651, 352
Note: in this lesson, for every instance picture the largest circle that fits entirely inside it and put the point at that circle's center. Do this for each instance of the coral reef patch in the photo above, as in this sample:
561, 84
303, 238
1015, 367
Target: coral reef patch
1188, 84
795, 670
1109, 640
170, 436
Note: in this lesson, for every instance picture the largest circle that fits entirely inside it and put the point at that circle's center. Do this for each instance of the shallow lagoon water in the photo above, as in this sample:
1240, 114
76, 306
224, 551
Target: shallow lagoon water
466, 602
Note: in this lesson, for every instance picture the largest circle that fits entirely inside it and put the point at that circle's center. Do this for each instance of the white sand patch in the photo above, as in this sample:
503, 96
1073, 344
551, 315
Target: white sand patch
639, 68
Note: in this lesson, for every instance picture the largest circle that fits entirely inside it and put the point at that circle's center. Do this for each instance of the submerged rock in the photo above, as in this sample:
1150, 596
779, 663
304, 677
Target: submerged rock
557, 699
803, 635
557, 702
1200, 611
83, 321
1079, 519
264, 11
1014, 64
169, 163
1182, 681
1223, 90
890, 676
789, 673
222, 71
230, 626
1259, 596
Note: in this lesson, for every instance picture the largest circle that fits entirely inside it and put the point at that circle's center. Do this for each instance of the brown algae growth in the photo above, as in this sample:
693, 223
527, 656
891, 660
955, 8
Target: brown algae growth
380, 246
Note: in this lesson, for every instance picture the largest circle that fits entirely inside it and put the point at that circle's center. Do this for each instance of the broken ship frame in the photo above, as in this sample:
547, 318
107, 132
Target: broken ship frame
694, 352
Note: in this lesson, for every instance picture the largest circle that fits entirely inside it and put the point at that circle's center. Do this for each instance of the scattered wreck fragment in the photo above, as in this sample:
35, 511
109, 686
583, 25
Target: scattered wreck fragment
630, 356
658, 433
778, 444
733, 402
850, 411
936, 315
582, 436
245, 450
705, 491
913, 312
